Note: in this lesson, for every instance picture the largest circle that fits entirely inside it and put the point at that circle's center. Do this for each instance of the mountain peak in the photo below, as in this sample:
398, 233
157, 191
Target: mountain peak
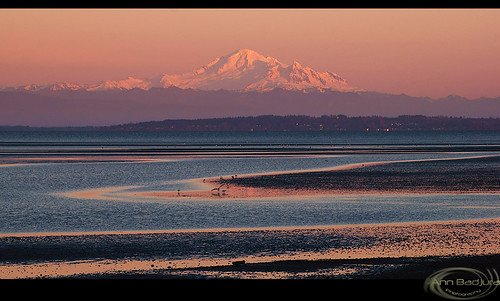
245, 52
249, 54
296, 65
241, 59
247, 70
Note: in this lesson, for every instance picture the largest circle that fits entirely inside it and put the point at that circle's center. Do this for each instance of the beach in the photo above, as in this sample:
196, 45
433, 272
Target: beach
364, 215
370, 251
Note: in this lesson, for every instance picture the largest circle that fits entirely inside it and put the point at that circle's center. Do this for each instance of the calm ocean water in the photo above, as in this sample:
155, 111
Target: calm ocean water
29, 200
249, 138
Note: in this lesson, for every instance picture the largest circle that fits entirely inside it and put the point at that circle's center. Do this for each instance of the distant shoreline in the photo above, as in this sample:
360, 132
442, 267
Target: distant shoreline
292, 123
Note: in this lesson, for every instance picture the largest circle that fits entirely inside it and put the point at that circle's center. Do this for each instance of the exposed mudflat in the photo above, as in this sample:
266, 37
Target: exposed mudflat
333, 252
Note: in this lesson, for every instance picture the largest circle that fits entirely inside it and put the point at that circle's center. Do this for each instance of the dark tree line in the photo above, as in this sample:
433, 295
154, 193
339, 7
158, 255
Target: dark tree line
308, 123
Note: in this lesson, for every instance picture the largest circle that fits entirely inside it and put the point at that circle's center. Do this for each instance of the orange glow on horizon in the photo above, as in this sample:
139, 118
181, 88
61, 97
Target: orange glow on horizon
419, 52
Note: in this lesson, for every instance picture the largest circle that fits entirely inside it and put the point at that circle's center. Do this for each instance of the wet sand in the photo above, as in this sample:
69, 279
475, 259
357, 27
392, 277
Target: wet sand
470, 175
371, 251
474, 175
18, 161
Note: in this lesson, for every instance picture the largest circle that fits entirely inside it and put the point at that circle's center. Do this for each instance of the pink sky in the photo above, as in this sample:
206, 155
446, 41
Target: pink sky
425, 52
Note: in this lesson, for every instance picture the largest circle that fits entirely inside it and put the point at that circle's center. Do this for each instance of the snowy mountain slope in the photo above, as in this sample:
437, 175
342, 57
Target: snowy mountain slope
247, 70
242, 70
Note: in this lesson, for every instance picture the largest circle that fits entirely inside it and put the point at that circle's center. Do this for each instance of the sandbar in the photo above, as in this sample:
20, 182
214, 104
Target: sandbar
470, 175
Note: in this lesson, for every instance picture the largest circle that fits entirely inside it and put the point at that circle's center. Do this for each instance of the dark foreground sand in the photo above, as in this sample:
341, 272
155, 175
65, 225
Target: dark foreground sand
378, 251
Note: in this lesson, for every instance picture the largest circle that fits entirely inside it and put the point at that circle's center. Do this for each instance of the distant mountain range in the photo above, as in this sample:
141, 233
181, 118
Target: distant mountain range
243, 83
242, 70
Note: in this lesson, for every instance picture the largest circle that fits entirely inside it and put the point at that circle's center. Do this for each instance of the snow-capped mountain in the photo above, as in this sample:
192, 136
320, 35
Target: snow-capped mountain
247, 70
242, 70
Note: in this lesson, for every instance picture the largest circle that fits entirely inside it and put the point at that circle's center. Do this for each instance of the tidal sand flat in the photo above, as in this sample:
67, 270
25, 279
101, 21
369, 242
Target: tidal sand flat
337, 252
463, 175
473, 175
